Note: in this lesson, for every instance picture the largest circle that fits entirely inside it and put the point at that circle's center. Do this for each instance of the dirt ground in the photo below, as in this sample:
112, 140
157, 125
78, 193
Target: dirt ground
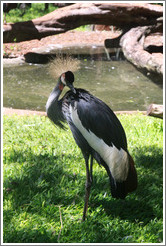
23, 112
71, 37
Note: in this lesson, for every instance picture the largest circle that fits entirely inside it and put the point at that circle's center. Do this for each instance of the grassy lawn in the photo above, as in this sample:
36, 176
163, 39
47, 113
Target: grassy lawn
44, 185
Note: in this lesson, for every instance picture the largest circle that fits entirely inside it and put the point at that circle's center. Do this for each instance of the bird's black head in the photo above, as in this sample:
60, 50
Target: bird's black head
67, 79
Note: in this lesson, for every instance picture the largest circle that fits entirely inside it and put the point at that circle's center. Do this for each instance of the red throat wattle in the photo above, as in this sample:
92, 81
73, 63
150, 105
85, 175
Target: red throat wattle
61, 86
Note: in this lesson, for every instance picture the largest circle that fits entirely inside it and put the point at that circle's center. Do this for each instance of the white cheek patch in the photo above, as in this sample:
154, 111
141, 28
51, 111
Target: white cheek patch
63, 79
117, 160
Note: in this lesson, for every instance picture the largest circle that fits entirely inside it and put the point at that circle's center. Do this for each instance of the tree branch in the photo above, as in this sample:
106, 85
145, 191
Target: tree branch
61, 20
132, 44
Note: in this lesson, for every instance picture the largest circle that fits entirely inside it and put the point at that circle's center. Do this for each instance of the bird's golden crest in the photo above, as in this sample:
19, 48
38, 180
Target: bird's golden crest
63, 64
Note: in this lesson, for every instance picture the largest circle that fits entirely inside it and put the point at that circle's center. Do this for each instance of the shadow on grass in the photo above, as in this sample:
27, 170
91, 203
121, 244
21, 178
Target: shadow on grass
150, 157
42, 173
139, 205
50, 169
44, 178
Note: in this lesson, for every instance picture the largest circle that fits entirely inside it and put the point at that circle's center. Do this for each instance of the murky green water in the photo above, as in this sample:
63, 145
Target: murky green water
117, 83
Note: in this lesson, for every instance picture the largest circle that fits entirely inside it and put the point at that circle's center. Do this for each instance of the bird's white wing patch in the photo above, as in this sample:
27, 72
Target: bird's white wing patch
117, 160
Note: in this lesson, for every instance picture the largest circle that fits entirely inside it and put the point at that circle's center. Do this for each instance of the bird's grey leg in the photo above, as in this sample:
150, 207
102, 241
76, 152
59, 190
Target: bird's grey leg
91, 168
87, 185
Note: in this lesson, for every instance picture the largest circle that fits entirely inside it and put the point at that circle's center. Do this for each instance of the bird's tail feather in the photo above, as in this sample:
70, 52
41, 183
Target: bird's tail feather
121, 189
131, 181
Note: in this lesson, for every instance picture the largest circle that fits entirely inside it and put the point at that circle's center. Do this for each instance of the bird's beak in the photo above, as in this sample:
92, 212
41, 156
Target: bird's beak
72, 88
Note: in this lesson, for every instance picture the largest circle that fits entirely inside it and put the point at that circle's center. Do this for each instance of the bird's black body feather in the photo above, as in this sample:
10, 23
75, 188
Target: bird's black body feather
98, 118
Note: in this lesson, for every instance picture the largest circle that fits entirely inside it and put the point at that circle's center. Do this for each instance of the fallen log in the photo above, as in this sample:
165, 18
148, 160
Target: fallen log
121, 15
132, 44
155, 110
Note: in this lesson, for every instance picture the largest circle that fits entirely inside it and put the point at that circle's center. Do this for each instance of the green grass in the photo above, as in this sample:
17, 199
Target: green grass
44, 185
36, 10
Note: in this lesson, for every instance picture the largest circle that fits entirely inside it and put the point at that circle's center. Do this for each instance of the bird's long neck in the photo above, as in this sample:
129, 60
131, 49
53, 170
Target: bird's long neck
54, 96
53, 105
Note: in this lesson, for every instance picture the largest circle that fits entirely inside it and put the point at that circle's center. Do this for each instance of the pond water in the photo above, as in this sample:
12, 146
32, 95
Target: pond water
117, 83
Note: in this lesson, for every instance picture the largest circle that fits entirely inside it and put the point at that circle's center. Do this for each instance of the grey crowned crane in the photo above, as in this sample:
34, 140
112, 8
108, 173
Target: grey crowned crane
98, 133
